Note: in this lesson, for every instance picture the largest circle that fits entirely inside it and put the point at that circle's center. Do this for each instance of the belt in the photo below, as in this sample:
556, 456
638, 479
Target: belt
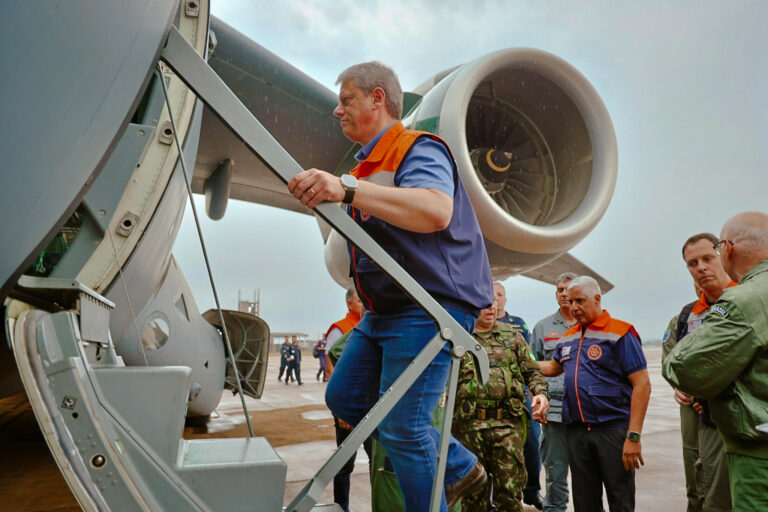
491, 414
492, 404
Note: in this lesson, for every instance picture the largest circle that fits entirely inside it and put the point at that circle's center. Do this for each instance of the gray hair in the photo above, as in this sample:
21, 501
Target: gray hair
587, 284
350, 293
565, 276
370, 75
748, 229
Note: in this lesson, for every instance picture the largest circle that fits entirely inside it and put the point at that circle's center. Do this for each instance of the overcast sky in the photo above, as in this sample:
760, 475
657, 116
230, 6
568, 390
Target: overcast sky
685, 84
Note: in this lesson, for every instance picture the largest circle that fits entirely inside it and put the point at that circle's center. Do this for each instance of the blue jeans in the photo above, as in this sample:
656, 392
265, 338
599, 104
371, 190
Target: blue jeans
377, 352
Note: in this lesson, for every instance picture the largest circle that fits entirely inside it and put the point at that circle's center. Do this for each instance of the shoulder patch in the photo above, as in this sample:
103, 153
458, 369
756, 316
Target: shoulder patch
719, 310
504, 326
667, 335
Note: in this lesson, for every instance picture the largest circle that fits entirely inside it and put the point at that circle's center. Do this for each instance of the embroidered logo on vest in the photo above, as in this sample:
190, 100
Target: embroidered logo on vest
594, 352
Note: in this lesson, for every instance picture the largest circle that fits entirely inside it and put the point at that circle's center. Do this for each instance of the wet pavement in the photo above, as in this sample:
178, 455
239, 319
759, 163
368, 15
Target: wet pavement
660, 483
298, 425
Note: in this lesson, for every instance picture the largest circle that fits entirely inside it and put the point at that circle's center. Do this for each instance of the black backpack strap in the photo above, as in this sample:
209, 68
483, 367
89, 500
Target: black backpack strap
682, 320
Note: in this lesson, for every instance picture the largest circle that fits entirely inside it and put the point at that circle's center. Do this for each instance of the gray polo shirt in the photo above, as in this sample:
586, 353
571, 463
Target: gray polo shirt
544, 339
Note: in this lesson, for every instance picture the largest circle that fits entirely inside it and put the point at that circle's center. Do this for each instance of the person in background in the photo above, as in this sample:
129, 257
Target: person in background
319, 353
294, 361
554, 444
725, 360
339, 328
285, 348
704, 462
531, 493
492, 420
606, 396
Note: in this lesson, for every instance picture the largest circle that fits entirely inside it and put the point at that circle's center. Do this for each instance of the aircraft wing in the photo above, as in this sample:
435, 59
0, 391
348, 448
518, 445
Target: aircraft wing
554, 189
549, 272
295, 109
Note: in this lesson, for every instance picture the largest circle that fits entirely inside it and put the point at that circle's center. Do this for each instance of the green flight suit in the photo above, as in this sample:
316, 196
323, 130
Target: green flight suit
704, 461
726, 362
491, 421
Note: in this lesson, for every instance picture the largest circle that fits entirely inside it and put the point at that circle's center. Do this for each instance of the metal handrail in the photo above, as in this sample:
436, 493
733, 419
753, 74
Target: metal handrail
206, 84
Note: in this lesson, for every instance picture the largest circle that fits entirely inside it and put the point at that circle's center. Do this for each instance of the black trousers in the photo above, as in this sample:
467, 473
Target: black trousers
594, 457
341, 481
294, 371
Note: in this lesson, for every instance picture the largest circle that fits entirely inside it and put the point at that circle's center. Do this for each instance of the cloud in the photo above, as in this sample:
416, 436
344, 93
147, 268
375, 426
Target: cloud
685, 84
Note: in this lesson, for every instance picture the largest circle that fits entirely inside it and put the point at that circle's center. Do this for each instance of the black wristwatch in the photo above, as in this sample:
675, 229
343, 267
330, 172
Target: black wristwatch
633, 436
349, 183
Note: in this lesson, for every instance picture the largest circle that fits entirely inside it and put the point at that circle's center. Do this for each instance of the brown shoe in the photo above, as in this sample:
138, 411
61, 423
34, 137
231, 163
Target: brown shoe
467, 486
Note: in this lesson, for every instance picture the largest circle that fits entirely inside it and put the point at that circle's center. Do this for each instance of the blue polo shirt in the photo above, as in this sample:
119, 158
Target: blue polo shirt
597, 362
428, 164
451, 264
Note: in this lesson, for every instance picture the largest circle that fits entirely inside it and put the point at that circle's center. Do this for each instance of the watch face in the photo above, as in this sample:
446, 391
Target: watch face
349, 181
633, 436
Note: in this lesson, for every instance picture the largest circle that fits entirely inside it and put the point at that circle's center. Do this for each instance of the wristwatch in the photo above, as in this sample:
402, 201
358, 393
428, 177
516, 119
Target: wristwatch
633, 436
349, 183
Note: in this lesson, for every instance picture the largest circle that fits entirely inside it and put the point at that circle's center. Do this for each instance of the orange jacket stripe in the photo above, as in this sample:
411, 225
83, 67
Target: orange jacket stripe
390, 151
603, 323
701, 304
576, 379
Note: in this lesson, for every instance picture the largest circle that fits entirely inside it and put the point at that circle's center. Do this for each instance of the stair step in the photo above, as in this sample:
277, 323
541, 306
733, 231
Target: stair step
249, 468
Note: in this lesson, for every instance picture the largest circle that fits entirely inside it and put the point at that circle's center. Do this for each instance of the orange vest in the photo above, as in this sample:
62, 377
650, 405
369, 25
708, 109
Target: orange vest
440, 260
390, 151
345, 324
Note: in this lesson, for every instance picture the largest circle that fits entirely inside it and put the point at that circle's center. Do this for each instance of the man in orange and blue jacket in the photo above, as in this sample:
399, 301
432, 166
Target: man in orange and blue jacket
606, 395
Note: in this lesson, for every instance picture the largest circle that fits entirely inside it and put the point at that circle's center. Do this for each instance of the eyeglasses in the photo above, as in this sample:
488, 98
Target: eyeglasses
716, 246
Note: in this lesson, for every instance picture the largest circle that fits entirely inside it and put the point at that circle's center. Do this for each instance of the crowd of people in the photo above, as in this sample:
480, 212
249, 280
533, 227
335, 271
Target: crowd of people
582, 374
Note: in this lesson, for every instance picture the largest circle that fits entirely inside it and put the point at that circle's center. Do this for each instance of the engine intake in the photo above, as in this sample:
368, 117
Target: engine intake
534, 144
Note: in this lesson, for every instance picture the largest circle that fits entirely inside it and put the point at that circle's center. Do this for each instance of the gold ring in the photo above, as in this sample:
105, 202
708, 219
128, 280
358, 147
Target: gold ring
312, 190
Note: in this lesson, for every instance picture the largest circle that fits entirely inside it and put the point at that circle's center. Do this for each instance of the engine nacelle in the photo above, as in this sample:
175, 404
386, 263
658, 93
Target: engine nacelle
535, 149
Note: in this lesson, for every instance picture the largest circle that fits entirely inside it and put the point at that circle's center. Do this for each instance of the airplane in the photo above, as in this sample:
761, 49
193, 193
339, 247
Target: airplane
103, 333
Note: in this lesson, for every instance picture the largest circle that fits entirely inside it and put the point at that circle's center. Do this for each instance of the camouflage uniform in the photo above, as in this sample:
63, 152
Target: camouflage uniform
492, 420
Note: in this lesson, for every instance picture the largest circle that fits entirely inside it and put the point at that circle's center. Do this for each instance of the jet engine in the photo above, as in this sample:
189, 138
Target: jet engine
535, 149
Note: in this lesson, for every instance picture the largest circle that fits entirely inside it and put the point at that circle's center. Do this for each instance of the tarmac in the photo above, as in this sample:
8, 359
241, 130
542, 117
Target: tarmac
297, 424
660, 484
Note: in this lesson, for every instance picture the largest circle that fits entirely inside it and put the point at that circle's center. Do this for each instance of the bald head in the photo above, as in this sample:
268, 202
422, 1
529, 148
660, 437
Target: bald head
749, 229
746, 243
